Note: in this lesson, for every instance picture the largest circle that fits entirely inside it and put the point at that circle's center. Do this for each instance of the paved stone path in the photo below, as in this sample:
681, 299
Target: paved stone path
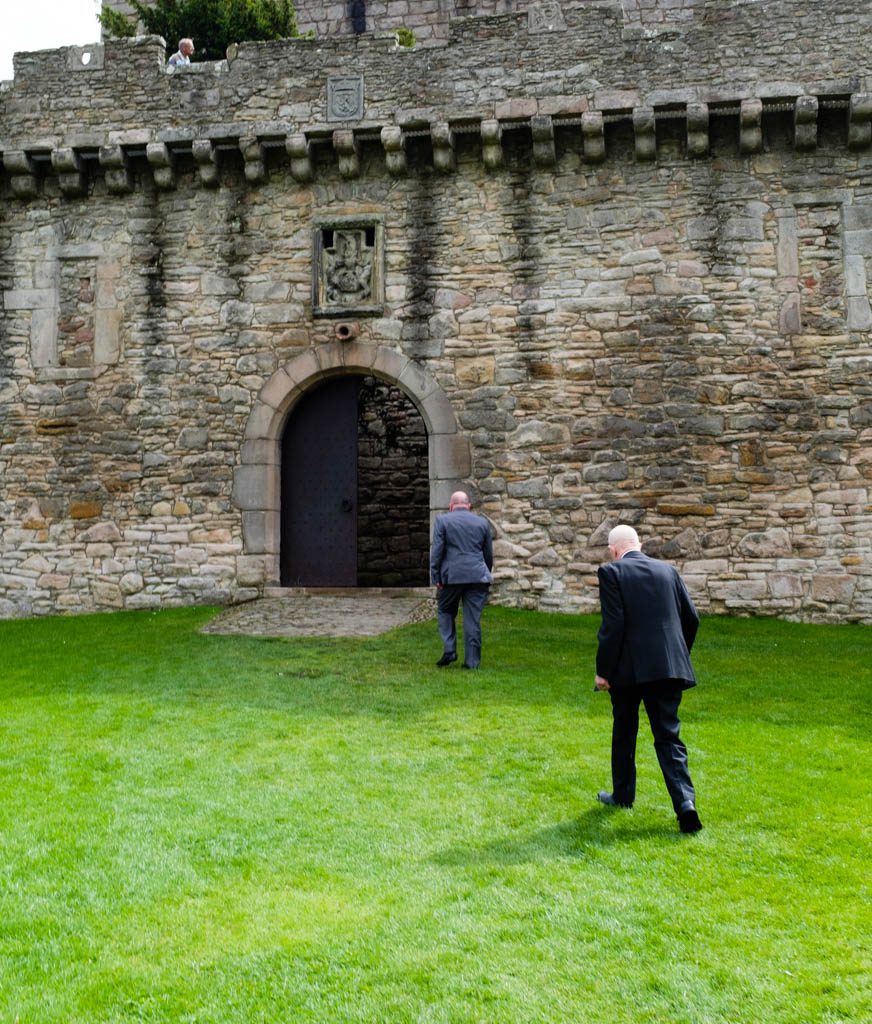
326, 612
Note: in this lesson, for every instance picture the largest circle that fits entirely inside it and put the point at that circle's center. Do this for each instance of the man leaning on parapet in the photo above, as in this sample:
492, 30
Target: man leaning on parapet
182, 56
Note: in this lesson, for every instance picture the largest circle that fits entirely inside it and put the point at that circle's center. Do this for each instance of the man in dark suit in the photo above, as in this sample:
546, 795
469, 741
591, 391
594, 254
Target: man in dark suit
648, 627
461, 559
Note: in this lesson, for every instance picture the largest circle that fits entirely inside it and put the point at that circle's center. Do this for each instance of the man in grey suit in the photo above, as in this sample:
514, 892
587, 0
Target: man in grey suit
648, 627
461, 559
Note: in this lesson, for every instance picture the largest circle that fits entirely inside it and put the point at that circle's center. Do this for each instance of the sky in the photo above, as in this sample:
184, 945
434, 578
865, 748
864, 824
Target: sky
45, 25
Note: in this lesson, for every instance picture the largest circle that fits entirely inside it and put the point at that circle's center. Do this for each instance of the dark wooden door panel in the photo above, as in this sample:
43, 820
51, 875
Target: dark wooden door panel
319, 488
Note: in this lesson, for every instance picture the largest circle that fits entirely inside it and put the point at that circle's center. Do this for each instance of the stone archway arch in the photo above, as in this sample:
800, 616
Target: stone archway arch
257, 478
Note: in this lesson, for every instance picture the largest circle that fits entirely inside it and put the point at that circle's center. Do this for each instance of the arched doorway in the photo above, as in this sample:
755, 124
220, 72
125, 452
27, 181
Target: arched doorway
257, 477
355, 487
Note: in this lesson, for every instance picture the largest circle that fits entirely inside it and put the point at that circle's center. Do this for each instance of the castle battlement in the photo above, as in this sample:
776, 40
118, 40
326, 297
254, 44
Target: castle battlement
81, 111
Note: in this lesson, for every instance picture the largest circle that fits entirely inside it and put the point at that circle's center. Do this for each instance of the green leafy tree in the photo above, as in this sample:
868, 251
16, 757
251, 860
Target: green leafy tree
212, 24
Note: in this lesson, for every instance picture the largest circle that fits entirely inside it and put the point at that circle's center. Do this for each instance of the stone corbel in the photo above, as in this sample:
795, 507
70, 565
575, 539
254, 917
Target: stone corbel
860, 120
544, 152
300, 154
22, 177
593, 136
394, 143
751, 126
442, 137
805, 122
67, 165
697, 129
206, 159
113, 160
645, 132
255, 165
163, 165
492, 144
347, 152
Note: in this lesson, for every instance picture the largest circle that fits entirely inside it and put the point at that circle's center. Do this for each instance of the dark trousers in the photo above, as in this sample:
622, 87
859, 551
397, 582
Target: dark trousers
448, 599
661, 703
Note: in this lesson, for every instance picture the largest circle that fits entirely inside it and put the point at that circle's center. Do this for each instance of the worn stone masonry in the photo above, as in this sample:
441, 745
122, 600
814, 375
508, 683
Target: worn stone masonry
616, 255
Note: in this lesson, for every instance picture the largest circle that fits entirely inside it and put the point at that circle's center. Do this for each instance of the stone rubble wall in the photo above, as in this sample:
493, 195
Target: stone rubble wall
393, 489
636, 262
430, 20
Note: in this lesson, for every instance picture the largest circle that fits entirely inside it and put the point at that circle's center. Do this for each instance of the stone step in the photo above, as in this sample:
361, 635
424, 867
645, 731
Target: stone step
353, 593
326, 611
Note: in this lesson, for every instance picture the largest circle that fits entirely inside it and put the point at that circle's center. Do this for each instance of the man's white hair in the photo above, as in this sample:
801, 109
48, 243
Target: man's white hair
623, 536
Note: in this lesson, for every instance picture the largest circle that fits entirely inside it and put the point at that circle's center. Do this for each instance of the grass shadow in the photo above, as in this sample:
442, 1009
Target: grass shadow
595, 829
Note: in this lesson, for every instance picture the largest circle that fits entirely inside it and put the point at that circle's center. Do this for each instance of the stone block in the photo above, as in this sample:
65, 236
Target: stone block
474, 372
131, 583
107, 335
833, 588
261, 532
107, 594
44, 337
275, 392
262, 422
859, 242
251, 571
193, 438
412, 377
536, 433
261, 451
449, 456
538, 487
516, 109
765, 544
85, 509
859, 313
785, 585
252, 489
685, 508
30, 298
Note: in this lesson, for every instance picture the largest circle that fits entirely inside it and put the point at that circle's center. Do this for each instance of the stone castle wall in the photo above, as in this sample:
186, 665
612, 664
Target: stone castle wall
430, 20
625, 277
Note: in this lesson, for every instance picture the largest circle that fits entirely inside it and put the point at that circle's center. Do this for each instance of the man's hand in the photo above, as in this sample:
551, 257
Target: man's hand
600, 683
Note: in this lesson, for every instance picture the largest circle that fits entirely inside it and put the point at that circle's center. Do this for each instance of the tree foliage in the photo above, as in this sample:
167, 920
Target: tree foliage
212, 24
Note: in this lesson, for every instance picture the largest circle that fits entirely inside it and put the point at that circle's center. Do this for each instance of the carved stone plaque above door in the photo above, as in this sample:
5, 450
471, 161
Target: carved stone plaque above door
348, 266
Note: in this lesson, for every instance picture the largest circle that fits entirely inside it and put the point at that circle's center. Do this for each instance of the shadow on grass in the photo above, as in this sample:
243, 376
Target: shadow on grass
596, 829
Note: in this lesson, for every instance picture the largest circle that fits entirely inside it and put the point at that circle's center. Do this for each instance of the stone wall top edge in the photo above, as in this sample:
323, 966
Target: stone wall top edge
591, 20
496, 57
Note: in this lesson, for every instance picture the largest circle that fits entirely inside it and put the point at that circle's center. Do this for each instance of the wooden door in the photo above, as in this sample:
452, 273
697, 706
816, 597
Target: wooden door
319, 488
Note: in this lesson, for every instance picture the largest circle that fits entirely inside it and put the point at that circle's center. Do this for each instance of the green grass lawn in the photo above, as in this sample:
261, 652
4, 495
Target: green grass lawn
219, 829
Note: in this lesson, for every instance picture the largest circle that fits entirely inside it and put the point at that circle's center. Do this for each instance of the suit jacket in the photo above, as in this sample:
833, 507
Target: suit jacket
462, 549
649, 623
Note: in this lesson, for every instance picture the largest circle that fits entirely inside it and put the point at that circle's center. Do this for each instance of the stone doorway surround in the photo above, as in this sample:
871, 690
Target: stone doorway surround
257, 478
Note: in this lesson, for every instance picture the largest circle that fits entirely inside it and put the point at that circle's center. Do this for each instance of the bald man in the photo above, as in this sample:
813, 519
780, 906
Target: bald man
648, 627
461, 559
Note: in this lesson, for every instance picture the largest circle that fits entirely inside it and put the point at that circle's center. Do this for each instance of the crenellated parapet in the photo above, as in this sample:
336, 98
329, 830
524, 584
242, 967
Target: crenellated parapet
588, 124
584, 65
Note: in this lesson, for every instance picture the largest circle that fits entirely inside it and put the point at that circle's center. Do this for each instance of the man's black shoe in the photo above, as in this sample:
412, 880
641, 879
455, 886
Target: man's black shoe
446, 659
609, 800
473, 667
688, 820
